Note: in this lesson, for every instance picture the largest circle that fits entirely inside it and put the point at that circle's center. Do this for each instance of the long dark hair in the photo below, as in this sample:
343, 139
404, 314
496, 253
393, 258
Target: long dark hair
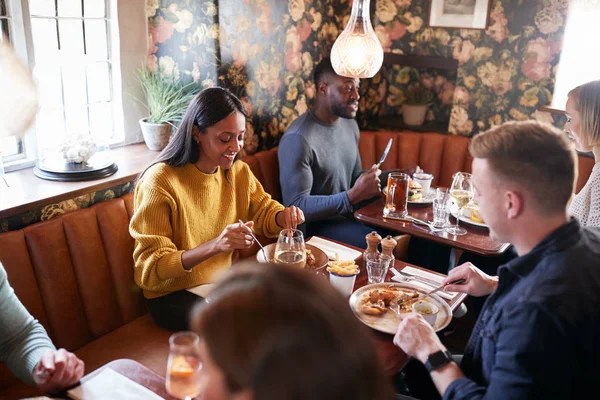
207, 108
285, 333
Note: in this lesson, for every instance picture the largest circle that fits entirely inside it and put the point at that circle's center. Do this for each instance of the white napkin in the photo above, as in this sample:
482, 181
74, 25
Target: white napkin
109, 384
330, 248
202, 290
425, 286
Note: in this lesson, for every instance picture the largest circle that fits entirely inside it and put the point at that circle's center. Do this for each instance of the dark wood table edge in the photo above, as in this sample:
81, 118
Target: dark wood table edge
425, 235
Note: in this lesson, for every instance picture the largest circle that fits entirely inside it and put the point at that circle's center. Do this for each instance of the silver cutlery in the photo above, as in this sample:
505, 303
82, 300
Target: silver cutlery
256, 240
385, 153
441, 287
416, 277
428, 224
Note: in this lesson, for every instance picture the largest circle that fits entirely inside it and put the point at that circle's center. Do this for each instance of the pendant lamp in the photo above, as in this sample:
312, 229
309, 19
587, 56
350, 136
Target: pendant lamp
357, 52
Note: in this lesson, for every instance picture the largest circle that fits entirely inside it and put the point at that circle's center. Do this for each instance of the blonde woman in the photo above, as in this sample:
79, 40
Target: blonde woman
583, 125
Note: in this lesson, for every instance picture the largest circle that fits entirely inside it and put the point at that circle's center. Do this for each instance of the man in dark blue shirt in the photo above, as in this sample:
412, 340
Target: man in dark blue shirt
538, 335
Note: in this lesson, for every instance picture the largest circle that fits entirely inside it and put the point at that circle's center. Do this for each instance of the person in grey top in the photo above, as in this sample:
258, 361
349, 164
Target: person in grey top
319, 163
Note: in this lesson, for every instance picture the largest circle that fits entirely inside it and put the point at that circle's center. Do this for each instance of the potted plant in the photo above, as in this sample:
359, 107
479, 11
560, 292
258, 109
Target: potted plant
167, 99
418, 99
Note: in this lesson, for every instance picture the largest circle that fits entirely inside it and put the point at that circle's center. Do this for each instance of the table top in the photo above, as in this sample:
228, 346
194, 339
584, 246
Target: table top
138, 373
477, 239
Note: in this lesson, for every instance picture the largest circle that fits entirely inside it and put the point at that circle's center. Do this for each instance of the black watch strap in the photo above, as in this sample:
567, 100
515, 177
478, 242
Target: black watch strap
438, 359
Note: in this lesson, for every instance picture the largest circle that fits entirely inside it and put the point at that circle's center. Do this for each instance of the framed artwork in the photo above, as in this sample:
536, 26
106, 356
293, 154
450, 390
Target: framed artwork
461, 14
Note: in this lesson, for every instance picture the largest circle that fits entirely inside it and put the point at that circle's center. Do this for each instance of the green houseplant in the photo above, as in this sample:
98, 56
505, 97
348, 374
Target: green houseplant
414, 109
167, 99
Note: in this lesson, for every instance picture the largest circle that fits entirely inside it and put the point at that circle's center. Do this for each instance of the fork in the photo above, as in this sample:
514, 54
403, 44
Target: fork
428, 224
256, 240
419, 278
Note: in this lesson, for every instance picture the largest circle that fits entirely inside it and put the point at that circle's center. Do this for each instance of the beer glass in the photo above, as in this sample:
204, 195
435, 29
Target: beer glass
396, 198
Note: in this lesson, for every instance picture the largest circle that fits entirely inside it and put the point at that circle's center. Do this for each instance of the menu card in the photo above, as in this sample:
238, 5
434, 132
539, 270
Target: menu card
109, 384
330, 248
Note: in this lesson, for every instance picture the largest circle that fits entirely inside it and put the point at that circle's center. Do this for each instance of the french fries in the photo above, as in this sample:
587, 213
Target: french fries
343, 268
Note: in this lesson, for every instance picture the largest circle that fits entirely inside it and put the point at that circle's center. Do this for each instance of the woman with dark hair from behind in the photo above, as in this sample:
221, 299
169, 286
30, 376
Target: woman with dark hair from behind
188, 203
273, 332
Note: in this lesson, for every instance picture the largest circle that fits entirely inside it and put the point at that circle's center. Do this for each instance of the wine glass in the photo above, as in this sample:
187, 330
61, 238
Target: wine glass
290, 249
461, 192
184, 366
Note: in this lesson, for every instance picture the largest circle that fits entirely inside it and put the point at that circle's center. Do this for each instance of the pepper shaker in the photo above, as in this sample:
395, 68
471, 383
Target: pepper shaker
373, 240
387, 247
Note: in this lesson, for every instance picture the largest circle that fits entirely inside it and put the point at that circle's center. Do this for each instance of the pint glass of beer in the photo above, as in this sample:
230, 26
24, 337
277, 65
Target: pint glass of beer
397, 195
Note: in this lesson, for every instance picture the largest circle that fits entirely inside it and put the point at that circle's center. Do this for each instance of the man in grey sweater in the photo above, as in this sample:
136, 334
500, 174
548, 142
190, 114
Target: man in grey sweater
319, 162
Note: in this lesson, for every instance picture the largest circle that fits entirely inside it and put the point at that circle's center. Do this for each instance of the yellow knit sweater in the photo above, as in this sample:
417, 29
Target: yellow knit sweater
179, 208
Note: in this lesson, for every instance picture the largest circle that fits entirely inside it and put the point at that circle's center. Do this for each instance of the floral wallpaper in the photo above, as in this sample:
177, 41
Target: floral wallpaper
265, 51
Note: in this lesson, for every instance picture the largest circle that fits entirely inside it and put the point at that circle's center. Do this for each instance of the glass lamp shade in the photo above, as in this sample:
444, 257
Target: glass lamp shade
357, 52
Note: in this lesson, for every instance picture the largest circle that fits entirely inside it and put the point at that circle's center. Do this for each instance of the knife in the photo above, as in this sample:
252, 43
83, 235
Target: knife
385, 153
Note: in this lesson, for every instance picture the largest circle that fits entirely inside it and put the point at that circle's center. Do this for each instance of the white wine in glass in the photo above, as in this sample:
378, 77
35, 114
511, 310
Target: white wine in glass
461, 192
184, 366
290, 249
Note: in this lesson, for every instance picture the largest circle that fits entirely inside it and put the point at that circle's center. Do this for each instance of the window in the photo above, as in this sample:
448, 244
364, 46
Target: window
80, 58
580, 55
73, 69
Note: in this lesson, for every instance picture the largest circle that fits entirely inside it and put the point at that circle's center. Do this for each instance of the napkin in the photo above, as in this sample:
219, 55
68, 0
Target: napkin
202, 290
109, 384
423, 285
330, 248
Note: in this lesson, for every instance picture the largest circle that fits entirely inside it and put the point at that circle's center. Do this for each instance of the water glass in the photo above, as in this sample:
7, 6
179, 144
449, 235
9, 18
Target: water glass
377, 266
440, 208
396, 198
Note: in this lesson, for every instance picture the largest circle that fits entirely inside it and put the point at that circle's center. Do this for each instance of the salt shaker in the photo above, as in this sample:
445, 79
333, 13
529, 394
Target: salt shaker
387, 247
373, 240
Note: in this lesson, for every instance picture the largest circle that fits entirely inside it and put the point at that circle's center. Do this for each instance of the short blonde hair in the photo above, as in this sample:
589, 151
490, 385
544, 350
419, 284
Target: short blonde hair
587, 102
536, 156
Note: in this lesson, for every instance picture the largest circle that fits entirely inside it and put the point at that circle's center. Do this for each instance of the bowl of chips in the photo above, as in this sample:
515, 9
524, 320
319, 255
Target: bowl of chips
342, 275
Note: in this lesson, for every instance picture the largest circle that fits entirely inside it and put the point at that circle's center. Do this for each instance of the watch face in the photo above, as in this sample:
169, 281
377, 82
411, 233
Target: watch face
438, 359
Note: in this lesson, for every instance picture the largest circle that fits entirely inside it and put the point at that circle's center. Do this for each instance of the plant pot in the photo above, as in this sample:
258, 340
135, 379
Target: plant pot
414, 114
156, 136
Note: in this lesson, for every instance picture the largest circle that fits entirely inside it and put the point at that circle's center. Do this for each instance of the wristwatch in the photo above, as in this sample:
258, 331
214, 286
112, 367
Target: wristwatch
438, 359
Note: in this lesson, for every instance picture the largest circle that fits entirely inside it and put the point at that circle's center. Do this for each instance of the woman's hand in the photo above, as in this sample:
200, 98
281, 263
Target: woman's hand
477, 283
290, 217
235, 236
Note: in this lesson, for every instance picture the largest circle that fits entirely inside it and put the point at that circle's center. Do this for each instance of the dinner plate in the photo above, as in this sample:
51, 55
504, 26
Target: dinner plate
321, 258
388, 322
425, 200
454, 212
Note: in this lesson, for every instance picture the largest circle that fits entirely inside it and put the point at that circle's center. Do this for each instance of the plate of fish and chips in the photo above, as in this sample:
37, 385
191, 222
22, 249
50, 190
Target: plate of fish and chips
381, 305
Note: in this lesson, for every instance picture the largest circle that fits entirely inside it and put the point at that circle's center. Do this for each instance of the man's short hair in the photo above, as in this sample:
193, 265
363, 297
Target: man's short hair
536, 156
323, 70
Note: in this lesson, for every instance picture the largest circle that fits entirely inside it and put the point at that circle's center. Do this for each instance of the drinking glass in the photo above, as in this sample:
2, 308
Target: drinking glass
461, 192
396, 198
184, 366
290, 249
440, 208
377, 266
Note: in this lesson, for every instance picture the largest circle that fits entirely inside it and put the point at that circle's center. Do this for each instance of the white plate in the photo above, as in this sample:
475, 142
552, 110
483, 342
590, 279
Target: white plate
454, 212
388, 321
426, 200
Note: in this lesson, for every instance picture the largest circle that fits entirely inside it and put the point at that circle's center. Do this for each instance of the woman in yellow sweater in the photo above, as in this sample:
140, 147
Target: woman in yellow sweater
187, 205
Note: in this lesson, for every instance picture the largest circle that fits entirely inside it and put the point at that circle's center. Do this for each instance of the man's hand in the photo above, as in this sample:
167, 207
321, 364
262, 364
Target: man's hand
57, 370
416, 337
290, 217
366, 186
477, 283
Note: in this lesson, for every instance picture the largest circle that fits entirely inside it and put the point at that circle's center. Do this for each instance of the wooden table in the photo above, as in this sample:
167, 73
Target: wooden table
392, 357
477, 239
138, 373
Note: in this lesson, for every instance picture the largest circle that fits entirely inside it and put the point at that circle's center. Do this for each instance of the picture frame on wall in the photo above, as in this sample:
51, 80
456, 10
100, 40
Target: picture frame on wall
459, 14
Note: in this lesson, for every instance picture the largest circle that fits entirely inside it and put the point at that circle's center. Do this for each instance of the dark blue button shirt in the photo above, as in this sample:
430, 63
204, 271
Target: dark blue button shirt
538, 335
